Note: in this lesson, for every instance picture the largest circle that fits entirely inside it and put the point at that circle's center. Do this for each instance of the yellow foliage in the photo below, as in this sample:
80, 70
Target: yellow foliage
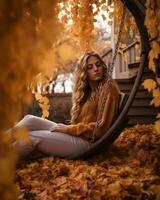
158, 80
156, 49
64, 19
156, 101
152, 20
151, 64
8, 158
82, 28
123, 46
137, 46
104, 17
24, 41
157, 126
158, 115
21, 134
126, 56
104, 7
156, 92
67, 51
29, 31
110, 23
137, 58
111, 14
149, 84
44, 104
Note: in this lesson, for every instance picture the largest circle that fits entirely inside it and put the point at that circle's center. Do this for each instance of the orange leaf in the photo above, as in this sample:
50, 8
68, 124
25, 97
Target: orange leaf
158, 115
156, 101
156, 92
21, 134
158, 80
104, 7
104, 17
157, 126
149, 84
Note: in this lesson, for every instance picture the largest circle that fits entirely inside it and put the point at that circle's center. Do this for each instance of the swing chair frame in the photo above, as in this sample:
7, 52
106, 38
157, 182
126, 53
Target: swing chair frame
116, 128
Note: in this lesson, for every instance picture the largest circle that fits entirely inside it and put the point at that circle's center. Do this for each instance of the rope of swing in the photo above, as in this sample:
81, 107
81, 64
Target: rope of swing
109, 75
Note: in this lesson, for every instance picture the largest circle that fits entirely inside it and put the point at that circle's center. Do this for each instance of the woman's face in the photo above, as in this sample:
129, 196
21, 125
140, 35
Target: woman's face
95, 69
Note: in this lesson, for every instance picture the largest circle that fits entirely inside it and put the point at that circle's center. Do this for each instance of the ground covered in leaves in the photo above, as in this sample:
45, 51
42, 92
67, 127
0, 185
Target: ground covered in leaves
128, 170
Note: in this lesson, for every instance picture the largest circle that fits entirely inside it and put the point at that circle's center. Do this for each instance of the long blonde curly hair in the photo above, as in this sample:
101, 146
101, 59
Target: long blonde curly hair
81, 87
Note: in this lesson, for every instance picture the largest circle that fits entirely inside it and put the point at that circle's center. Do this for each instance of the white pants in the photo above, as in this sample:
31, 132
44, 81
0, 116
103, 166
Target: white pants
46, 142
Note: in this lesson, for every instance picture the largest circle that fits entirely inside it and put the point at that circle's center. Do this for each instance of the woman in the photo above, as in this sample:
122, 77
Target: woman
63, 140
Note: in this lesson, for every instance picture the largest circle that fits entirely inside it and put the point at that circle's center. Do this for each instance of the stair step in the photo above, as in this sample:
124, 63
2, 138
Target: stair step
141, 120
143, 111
125, 81
128, 87
136, 65
132, 80
143, 94
142, 103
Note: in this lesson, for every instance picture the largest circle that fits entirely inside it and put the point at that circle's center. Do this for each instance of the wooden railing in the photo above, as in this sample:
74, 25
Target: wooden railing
126, 56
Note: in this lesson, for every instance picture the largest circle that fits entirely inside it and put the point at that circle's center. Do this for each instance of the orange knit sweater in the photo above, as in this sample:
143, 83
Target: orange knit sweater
86, 120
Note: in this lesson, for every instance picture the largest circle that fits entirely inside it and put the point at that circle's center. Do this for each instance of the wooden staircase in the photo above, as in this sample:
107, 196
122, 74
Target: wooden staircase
141, 112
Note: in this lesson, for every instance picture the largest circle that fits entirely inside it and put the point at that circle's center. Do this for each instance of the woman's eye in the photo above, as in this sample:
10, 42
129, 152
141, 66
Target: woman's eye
98, 64
89, 67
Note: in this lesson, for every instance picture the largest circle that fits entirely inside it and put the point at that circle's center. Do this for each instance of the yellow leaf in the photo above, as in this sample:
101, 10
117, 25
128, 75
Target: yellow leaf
45, 113
158, 115
137, 46
104, 7
156, 48
38, 96
66, 52
137, 58
123, 46
64, 19
149, 84
104, 17
21, 134
156, 92
67, 12
151, 54
96, 13
158, 80
144, 139
156, 101
110, 23
156, 189
94, 20
137, 37
126, 56
110, 2
111, 15
151, 65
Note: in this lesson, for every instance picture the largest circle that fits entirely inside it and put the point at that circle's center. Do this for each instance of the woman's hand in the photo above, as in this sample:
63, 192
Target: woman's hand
58, 128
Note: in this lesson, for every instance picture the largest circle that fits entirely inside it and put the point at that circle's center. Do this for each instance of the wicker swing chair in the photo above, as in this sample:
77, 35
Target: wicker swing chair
137, 9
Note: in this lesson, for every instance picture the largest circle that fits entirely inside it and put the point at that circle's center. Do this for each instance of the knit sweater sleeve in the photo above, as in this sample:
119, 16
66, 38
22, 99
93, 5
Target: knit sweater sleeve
109, 114
81, 129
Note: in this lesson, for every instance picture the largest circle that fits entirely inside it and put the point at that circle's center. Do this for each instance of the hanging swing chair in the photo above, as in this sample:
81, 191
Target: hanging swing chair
137, 9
